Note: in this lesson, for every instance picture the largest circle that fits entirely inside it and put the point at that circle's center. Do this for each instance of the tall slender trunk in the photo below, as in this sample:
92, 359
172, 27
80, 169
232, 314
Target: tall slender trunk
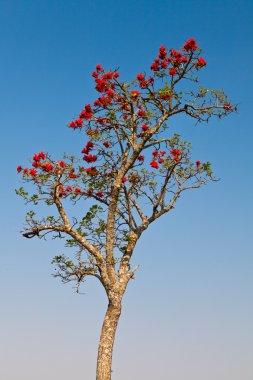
105, 349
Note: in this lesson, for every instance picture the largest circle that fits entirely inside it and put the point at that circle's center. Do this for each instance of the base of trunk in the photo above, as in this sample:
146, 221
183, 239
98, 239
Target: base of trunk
104, 360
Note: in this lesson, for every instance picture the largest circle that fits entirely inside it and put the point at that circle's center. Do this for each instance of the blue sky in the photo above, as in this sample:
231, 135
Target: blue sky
188, 315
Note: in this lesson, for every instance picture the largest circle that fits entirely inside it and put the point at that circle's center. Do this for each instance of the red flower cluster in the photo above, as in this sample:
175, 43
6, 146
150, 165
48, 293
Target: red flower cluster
176, 58
36, 160
90, 158
106, 144
198, 163
142, 82
104, 85
141, 158
91, 171
78, 123
33, 172
64, 192
157, 155
86, 113
200, 62
44, 166
88, 147
47, 167
190, 45
175, 153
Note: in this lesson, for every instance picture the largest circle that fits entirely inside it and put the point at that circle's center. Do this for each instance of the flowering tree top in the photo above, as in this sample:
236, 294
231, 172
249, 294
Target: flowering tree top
131, 172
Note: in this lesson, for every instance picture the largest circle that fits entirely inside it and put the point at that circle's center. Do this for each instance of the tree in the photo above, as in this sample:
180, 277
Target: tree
134, 171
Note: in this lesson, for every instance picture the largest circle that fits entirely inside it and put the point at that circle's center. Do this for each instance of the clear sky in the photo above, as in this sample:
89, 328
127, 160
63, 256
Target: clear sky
188, 315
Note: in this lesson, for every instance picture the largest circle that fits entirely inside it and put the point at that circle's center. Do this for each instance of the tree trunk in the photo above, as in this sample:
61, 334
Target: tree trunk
104, 359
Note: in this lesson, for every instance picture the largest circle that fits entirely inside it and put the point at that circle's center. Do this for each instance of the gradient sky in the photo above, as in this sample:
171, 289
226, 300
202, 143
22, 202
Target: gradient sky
188, 315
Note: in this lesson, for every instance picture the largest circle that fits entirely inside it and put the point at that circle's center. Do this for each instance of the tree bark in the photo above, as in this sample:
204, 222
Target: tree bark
105, 349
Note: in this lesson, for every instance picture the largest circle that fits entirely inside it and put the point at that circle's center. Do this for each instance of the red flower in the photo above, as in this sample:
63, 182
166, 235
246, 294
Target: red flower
172, 71
164, 64
97, 102
47, 167
26, 171
88, 108
124, 179
176, 54
36, 157
89, 192
42, 155
175, 152
89, 145
85, 115
200, 62
198, 163
91, 170
140, 77
227, 106
141, 113
90, 158
79, 122
190, 45
73, 175
154, 67
108, 75
165, 96
33, 172
19, 169
99, 68
78, 190
110, 93
135, 94
155, 153
62, 164
106, 144
154, 164
100, 194
161, 161
176, 158
72, 124
145, 127
162, 52
94, 74
115, 75
141, 158
162, 152
68, 188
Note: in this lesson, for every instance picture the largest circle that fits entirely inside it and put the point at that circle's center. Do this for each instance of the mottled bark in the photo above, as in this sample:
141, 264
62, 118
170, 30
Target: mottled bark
105, 349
